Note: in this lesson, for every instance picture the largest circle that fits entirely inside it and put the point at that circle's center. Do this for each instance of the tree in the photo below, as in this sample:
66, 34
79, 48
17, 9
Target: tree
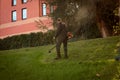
82, 15
106, 17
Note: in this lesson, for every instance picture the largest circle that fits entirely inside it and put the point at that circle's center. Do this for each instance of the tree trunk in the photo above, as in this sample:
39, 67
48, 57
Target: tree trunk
102, 27
103, 30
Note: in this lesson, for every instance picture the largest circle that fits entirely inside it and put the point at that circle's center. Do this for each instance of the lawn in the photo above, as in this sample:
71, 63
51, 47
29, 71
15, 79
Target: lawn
88, 60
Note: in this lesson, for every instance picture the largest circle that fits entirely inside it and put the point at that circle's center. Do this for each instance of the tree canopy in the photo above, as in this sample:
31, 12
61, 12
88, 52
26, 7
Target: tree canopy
87, 17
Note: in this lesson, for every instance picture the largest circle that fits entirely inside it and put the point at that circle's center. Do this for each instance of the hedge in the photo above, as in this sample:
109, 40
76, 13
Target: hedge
27, 40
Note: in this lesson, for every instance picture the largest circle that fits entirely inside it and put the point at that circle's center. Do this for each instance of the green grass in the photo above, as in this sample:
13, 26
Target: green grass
86, 59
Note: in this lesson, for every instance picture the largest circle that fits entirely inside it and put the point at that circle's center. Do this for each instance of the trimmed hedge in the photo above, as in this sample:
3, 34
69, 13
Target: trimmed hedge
27, 40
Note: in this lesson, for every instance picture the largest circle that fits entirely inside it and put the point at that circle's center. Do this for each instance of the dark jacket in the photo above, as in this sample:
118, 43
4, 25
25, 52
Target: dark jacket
61, 32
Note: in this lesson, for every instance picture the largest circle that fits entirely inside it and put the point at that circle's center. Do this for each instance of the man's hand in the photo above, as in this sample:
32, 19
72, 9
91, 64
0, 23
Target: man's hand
54, 38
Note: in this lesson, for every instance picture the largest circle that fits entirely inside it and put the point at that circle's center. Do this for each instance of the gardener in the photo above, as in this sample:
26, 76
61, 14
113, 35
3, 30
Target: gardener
61, 37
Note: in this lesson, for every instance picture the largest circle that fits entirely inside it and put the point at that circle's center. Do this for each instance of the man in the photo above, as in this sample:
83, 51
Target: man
61, 37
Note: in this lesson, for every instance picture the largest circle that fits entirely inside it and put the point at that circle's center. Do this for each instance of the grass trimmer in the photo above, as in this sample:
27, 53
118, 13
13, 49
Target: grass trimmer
51, 49
69, 34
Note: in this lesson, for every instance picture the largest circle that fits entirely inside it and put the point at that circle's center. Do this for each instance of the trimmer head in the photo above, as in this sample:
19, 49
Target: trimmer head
49, 51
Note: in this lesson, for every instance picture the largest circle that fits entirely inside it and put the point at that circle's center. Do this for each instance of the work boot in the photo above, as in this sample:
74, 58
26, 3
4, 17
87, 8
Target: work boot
58, 56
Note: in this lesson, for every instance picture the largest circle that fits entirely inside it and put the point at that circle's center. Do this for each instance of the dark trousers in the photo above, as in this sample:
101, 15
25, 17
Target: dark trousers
58, 45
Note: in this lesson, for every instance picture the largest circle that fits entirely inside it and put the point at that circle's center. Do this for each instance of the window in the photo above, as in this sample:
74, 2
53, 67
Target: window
24, 13
44, 11
14, 16
24, 1
51, 9
14, 2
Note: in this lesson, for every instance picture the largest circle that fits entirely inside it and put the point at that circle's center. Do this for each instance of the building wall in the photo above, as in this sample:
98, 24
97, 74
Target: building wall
34, 13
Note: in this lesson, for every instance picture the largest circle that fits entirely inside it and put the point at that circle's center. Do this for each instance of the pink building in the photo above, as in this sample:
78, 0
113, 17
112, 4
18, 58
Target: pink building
20, 16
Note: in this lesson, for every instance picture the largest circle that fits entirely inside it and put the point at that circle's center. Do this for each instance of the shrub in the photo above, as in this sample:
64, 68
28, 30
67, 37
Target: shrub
27, 40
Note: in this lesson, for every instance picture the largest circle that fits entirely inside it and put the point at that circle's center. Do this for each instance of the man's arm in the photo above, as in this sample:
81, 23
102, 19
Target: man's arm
59, 29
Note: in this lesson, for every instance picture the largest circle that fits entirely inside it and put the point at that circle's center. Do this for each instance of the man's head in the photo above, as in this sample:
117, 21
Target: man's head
59, 20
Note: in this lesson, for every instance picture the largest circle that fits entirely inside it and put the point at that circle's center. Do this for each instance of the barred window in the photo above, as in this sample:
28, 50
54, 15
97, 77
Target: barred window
14, 16
14, 2
44, 11
24, 1
24, 13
